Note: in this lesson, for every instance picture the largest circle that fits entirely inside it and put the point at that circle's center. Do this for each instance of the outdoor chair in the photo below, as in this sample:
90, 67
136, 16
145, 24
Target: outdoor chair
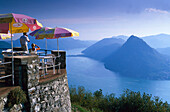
50, 63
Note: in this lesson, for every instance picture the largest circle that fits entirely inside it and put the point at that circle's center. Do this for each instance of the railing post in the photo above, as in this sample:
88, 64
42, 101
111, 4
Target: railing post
45, 52
25, 67
60, 58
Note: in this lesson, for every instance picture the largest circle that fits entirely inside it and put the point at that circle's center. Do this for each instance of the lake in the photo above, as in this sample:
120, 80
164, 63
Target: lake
91, 74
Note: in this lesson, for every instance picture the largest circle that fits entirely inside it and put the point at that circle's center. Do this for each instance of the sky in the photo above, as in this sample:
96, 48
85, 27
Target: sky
97, 19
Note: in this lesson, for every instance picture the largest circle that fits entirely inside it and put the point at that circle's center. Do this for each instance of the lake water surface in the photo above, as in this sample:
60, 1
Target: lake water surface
91, 74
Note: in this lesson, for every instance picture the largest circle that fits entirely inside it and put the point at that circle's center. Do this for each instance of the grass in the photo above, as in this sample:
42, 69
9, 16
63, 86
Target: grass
78, 108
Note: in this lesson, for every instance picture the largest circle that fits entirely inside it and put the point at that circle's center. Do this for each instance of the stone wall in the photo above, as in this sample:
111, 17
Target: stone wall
3, 101
46, 96
51, 96
26, 71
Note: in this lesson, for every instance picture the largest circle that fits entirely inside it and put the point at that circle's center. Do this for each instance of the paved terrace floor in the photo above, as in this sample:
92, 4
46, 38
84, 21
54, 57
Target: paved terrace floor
52, 76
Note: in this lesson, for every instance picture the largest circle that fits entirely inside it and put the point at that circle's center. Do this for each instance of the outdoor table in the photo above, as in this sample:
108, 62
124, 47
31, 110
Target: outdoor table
44, 59
9, 52
40, 53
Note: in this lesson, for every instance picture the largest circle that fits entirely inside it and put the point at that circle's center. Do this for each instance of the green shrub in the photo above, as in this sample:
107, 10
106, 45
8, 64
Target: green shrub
129, 101
16, 96
76, 108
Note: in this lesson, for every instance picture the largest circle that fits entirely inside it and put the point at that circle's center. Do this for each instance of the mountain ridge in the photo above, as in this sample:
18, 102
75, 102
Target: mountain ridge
137, 59
99, 50
64, 43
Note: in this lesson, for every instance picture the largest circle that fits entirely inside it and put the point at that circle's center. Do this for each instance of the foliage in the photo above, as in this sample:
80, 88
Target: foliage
129, 101
16, 96
76, 108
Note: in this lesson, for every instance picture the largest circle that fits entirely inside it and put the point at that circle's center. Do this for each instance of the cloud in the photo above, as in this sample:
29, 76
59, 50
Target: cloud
154, 10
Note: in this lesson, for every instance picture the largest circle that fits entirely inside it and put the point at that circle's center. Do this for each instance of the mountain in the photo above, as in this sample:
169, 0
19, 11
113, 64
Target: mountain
165, 51
4, 45
137, 59
158, 41
103, 48
121, 37
64, 43
155, 41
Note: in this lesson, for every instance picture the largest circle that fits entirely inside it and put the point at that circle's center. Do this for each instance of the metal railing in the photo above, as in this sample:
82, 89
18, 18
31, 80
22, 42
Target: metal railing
49, 61
2, 76
41, 52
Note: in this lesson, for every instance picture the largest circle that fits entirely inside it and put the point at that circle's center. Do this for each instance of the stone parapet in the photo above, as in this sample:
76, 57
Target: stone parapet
47, 95
51, 96
26, 69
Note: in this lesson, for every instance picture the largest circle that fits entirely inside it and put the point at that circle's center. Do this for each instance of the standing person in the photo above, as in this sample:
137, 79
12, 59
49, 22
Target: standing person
24, 41
33, 49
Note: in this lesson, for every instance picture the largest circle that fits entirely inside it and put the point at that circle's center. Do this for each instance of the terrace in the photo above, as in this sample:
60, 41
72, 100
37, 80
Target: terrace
47, 64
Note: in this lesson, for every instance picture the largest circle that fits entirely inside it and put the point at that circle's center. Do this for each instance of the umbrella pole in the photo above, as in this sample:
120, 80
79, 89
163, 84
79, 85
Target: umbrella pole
57, 47
12, 56
46, 43
46, 46
58, 55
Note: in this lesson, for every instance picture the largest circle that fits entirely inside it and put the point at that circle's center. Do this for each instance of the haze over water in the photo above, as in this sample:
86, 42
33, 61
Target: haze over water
91, 74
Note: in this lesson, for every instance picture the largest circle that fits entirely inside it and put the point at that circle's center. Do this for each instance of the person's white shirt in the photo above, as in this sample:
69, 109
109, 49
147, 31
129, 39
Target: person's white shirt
34, 52
24, 40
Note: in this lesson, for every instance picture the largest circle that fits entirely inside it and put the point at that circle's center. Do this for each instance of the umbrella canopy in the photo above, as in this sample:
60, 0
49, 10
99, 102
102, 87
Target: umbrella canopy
57, 33
4, 36
52, 33
17, 23
37, 32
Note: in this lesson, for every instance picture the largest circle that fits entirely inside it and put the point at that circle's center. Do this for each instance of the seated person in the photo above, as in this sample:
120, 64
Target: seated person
33, 49
0, 60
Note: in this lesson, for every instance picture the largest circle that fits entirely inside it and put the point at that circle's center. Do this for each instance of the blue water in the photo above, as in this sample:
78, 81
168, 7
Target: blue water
91, 74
